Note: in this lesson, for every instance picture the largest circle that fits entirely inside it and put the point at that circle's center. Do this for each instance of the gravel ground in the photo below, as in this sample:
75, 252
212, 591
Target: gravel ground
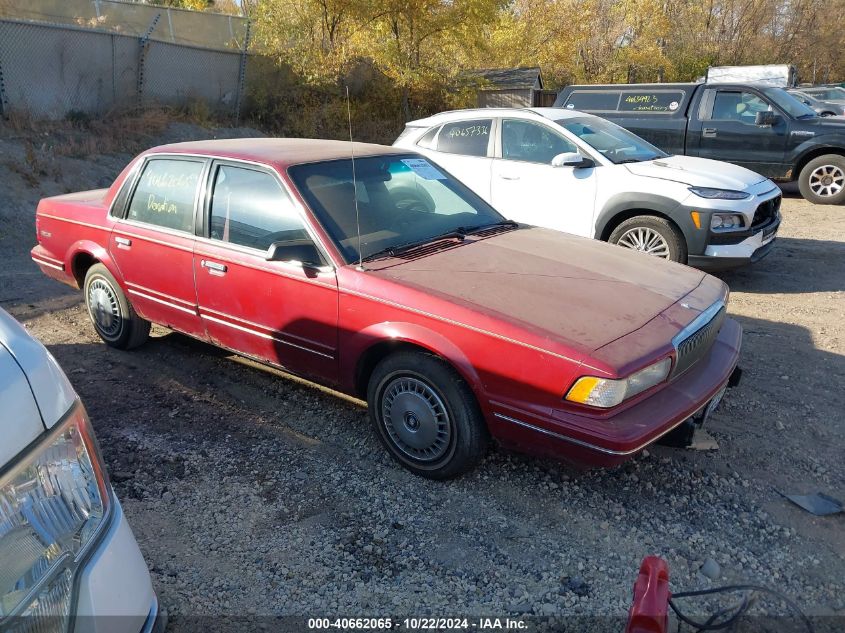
251, 492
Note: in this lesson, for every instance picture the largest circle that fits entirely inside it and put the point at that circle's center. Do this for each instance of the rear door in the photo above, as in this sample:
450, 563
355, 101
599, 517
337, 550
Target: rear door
464, 148
283, 312
728, 131
526, 188
152, 242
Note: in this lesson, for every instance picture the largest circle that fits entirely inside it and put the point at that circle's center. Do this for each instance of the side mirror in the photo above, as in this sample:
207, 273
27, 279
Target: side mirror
766, 118
303, 251
572, 159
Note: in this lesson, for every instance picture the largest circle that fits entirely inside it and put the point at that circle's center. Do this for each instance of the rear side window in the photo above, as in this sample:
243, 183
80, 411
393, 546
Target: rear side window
469, 138
594, 100
656, 101
166, 194
427, 139
250, 208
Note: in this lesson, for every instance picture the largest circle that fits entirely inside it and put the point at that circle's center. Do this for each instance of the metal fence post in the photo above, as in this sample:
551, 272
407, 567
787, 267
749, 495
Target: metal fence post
4, 103
142, 52
242, 74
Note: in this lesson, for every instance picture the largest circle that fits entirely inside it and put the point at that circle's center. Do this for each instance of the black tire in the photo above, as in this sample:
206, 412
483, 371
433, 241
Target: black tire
822, 180
112, 315
441, 433
631, 230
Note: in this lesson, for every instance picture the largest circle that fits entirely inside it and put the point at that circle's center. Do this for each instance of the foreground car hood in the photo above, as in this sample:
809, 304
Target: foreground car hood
581, 292
697, 172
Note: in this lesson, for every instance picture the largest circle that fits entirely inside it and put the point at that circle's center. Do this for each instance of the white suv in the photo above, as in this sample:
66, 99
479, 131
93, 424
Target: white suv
67, 555
575, 172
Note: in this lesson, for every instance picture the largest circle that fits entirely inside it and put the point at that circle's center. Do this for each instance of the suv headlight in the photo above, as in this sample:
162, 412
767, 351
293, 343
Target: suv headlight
726, 221
719, 194
53, 504
606, 393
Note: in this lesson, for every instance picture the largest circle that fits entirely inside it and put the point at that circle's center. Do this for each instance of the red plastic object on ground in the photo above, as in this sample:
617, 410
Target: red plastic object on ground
650, 610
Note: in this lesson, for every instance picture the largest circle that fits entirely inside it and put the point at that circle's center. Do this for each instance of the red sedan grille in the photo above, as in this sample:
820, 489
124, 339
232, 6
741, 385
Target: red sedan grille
693, 348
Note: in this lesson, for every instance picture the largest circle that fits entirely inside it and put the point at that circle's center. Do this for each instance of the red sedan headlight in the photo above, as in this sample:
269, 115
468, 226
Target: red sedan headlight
607, 393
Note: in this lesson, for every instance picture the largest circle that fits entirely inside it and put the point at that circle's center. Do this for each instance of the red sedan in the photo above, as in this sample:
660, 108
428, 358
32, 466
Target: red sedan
386, 278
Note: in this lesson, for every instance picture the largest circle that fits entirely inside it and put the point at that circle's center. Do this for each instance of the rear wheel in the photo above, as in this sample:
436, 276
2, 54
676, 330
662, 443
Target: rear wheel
652, 235
113, 317
426, 415
822, 181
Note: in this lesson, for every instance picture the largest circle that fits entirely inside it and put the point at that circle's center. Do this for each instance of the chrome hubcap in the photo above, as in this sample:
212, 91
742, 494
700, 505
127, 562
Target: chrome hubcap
645, 240
103, 308
416, 419
827, 180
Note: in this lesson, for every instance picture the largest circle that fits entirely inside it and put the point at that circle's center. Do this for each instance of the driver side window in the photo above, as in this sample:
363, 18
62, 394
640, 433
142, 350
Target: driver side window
250, 208
532, 142
735, 105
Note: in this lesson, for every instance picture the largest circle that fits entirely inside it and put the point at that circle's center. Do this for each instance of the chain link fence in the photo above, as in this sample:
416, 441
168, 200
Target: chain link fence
48, 70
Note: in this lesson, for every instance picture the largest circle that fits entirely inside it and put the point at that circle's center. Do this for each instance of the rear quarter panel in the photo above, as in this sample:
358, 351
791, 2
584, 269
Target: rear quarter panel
70, 225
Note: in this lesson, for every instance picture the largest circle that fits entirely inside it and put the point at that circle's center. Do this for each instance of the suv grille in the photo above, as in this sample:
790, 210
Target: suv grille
692, 349
766, 212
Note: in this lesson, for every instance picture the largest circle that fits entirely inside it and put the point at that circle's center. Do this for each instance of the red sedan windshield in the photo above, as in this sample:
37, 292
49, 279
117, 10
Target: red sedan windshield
400, 200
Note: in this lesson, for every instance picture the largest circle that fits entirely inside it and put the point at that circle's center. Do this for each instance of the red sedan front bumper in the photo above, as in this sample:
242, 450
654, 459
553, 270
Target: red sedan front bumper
612, 440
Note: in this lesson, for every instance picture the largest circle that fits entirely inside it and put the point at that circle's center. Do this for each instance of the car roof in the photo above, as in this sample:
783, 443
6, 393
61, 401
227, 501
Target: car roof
281, 152
522, 113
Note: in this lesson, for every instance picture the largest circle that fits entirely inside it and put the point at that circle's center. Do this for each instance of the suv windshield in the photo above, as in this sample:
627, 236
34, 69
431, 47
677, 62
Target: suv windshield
789, 104
401, 200
616, 144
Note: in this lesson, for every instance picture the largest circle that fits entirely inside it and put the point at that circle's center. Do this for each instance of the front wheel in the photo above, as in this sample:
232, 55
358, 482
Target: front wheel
111, 313
822, 181
426, 415
651, 235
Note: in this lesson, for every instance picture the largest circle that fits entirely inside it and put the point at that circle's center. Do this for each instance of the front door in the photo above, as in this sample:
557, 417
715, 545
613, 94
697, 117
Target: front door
728, 132
283, 311
526, 188
152, 243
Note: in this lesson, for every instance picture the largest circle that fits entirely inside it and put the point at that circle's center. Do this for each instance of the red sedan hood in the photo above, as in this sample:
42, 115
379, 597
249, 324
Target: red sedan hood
578, 291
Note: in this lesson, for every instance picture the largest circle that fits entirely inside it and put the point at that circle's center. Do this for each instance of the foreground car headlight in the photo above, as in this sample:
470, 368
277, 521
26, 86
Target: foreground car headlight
606, 393
719, 194
726, 221
52, 505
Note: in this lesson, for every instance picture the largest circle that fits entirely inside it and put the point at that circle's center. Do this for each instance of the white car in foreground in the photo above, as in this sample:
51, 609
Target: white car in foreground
575, 172
68, 558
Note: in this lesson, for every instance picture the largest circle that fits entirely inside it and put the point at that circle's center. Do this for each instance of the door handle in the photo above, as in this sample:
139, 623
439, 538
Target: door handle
508, 177
214, 267
709, 132
124, 242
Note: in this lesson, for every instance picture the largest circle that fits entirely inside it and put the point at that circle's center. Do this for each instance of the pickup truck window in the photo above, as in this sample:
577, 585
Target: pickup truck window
594, 100
789, 104
166, 193
469, 138
532, 142
250, 208
737, 105
615, 143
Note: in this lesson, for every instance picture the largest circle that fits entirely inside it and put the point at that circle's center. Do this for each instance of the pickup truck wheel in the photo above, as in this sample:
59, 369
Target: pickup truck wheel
113, 317
822, 181
653, 235
426, 415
